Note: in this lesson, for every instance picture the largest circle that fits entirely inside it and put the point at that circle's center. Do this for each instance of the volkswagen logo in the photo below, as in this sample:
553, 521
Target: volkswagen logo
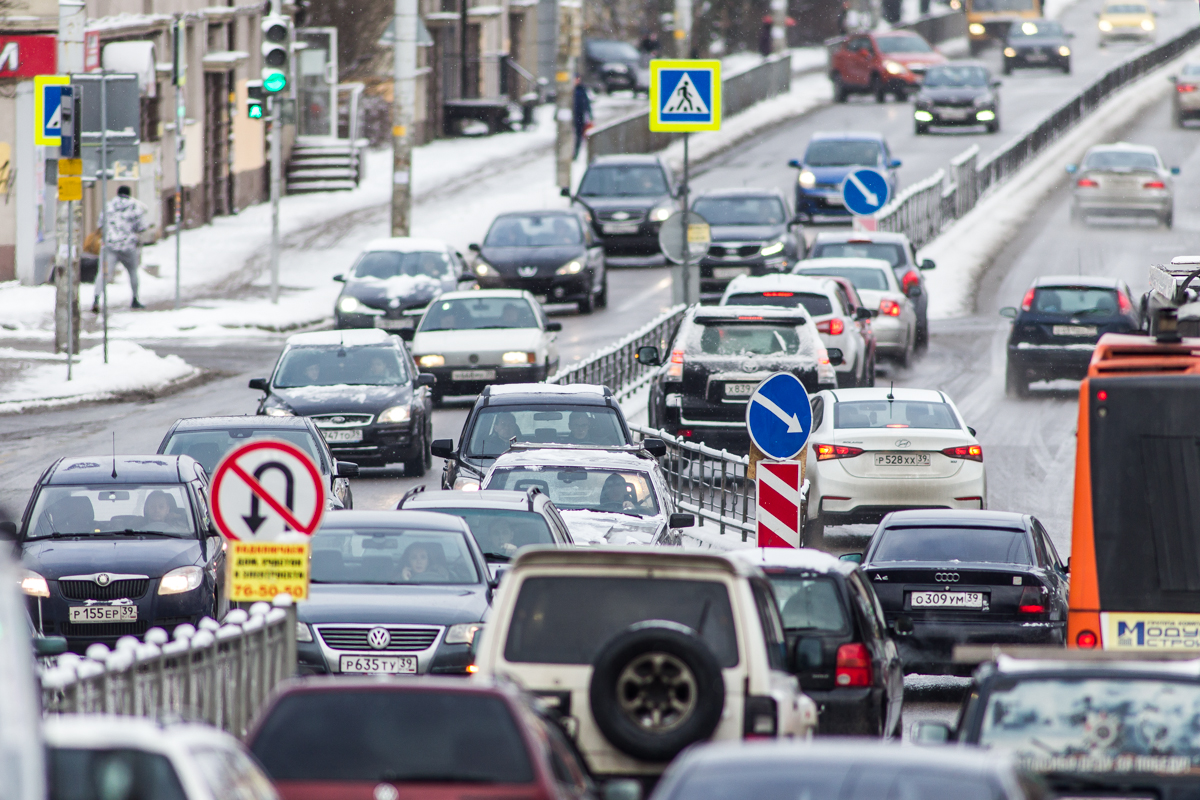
940, 577
385, 791
103, 579
527, 272
620, 215
337, 420
379, 638
903, 443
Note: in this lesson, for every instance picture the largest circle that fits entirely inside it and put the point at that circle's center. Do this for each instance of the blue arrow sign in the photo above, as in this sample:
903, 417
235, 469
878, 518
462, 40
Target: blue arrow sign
865, 191
779, 416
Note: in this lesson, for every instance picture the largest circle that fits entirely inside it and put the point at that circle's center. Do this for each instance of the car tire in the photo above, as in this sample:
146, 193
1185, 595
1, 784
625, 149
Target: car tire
871, 372
1168, 219
994, 127
437, 399
1015, 384
814, 533
588, 304
921, 130
1066, 68
415, 467
879, 89
682, 671
602, 298
1007, 68
840, 92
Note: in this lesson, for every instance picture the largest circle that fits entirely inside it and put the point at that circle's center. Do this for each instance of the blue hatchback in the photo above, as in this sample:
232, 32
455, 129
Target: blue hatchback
827, 160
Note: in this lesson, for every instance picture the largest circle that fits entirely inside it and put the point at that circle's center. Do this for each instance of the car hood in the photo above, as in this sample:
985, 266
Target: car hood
598, 527
953, 94
513, 257
424, 605
53, 558
746, 233
307, 400
624, 201
916, 59
1026, 42
488, 339
401, 291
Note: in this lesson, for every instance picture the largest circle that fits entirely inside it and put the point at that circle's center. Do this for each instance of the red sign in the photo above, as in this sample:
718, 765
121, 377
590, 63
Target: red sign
778, 512
91, 51
26, 56
266, 489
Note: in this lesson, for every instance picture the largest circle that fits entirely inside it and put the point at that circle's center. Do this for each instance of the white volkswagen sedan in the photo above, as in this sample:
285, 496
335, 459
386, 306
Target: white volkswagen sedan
878, 450
469, 340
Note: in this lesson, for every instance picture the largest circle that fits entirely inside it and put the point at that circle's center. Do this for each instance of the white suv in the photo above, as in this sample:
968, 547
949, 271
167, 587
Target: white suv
642, 652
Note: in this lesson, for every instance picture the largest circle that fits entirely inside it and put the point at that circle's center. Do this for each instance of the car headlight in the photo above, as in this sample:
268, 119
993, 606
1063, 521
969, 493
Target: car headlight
1010, 52
922, 116
570, 268
279, 411
483, 269
807, 179
987, 115
349, 305
661, 214
1147, 24
1064, 51
772, 249
396, 414
463, 633
180, 580
1105, 25
34, 585
432, 360
518, 357
303, 632
976, 29
466, 484
894, 67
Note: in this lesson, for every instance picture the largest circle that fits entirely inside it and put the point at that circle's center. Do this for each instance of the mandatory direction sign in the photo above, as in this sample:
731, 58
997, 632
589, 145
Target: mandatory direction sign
267, 491
779, 417
685, 95
865, 191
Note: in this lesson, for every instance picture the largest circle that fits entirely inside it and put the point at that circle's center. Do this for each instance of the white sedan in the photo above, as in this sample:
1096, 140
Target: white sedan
469, 340
878, 450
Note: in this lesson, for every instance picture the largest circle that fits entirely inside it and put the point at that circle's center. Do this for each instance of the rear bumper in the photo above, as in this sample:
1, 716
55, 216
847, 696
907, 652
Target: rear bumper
1124, 206
1051, 362
534, 373
930, 648
848, 712
554, 288
891, 334
383, 444
867, 500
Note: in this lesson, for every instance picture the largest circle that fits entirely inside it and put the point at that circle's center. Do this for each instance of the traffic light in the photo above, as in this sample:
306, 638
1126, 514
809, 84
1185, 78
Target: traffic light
276, 39
70, 117
254, 103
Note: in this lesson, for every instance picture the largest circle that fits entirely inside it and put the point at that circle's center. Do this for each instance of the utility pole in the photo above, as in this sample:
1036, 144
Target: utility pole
72, 21
404, 98
276, 178
570, 25
779, 12
104, 202
179, 80
683, 28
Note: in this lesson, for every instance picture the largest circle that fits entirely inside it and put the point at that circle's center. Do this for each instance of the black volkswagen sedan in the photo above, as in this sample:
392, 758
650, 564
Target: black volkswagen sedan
961, 93
553, 255
629, 197
115, 545
392, 592
1037, 43
1058, 324
362, 390
753, 233
392, 276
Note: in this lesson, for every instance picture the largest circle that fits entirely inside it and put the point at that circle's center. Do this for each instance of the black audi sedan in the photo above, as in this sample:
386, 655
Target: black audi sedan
1037, 43
956, 94
115, 545
753, 233
363, 391
392, 276
629, 197
1058, 324
392, 593
720, 354
553, 255
947, 577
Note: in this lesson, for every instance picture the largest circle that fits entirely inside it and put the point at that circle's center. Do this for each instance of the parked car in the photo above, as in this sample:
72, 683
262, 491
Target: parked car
612, 65
393, 593
641, 652
552, 254
628, 197
827, 160
115, 545
838, 643
1126, 19
966, 577
1037, 43
209, 439
471, 340
753, 233
881, 63
1185, 100
895, 324
1058, 324
363, 391
1125, 180
957, 94
394, 276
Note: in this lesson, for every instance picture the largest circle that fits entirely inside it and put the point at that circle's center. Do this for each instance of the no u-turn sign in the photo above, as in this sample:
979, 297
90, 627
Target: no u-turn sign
265, 490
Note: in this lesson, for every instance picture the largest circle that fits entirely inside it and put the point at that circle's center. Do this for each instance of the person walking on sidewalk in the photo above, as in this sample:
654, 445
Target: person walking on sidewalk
581, 113
125, 220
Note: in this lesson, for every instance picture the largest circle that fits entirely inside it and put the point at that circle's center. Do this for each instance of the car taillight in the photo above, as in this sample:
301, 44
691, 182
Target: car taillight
1124, 304
971, 452
1032, 600
827, 451
1027, 300
760, 718
675, 369
1087, 183
1086, 640
1154, 185
910, 280
684, 433
853, 665
1184, 88
889, 308
833, 327
778, 294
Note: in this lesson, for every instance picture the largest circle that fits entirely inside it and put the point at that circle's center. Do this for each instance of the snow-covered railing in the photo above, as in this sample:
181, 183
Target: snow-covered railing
220, 674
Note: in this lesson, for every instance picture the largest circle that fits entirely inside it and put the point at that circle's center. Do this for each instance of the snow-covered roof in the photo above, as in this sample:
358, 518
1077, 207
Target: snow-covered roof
350, 337
802, 558
815, 263
569, 457
471, 294
546, 388
406, 244
787, 283
96, 731
881, 393
891, 237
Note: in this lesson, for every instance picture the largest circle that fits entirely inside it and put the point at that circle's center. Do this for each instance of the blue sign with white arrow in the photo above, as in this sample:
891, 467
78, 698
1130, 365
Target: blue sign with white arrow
865, 191
779, 416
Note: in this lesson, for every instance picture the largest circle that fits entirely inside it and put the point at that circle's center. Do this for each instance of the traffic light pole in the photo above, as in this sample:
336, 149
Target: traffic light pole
179, 79
276, 173
404, 95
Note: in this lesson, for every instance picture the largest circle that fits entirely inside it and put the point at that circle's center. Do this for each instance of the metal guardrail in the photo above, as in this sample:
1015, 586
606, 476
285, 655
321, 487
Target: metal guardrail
220, 674
936, 28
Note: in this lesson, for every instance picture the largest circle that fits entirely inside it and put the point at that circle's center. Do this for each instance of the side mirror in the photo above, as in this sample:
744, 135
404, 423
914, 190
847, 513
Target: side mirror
682, 521
442, 448
1009, 311
903, 626
1067, 566
622, 789
347, 469
895, 163
794, 221
474, 248
927, 264
929, 732
425, 379
648, 356
1070, 35
836, 357
654, 446
1174, 170
553, 327
853, 557
1173, 79
914, 290
795, 164
565, 192
8, 531
997, 84
49, 645
1072, 169
862, 313
340, 278
971, 430
407, 334
260, 384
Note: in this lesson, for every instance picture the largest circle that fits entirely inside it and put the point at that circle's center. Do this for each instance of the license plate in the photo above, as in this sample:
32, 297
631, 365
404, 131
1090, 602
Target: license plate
1074, 330
834, 200
947, 600
740, 389
103, 614
378, 665
730, 272
1036, 57
473, 375
619, 227
332, 435
393, 324
902, 459
954, 113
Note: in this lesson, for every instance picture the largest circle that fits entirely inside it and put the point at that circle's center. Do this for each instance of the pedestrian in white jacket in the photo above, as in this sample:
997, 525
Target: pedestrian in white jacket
125, 219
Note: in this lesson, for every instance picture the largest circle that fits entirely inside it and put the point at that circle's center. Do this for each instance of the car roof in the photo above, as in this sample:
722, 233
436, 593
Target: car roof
351, 337
584, 394
882, 237
478, 684
786, 282
406, 244
103, 731
483, 293
1067, 281
881, 393
753, 313
1122, 147
741, 191
1008, 665
957, 63
862, 753
574, 457
847, 136
815, 263
942, 517
792, 558
625, 159
541, 212
647, 557
255, 421
484, 498
127, 469
426, 520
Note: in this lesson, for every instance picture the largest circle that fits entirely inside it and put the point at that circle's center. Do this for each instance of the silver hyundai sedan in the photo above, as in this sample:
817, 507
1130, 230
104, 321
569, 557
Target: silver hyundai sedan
1123, 179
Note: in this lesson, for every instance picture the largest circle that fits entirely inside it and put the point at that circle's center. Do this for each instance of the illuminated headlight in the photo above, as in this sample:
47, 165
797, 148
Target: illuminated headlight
807, 179
985, 116
660, 214
894, 67
303, 632
463, 633
180, 580
432, 361
922, 116
976, 29
1105, 25
825, 372
1147, 24
1064, 51
518, 357
349, 305
396, 414
466, 484
34, 585
1010, 52
569, 268
772, 249
279, 411
483, 269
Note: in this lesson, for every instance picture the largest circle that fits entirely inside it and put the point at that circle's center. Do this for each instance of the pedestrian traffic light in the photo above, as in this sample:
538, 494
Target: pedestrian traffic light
70, 119
276, 40
255, 97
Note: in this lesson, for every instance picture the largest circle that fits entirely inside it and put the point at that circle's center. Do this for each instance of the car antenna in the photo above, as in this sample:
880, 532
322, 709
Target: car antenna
1079, 259
890, 396
114, 452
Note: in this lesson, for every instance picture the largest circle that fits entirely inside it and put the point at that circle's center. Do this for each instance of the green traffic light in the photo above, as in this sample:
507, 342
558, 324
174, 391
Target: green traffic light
256, 111
274, 82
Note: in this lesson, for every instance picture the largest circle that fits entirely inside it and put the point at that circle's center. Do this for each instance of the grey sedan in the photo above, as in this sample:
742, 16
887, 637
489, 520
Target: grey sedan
1123, 179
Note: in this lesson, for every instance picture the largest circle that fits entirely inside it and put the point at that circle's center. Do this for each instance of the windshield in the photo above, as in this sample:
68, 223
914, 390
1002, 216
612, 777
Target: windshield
740, 210
107, 509
114, 773
978, 545
1120, 160
567, 620
389, 555
891, 253
894, 414
902, 44
1096, 724
816, 304
999, 5
548, 230
1041, 27
582, 488
338, 366
721, 338
384, 264
956, 76
808, 602
1075, 301
631, 181
478, 313
544, 424
869, 278
209, 447
846, 153
383, 734
607, 50
1126, 8
1191, 69
782, 779
499, 532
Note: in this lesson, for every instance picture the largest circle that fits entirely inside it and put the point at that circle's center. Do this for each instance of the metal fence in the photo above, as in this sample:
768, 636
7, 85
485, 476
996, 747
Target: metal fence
936, 28
220, 674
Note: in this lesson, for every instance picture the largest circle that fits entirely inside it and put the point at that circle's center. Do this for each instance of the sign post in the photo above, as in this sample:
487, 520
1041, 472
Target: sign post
864, 192
779, 420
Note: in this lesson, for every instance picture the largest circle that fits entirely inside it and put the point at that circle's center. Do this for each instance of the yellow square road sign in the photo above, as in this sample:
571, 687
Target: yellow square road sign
685, 95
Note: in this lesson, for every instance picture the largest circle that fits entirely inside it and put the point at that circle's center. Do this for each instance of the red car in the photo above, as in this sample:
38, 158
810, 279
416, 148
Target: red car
878, 63
409, 738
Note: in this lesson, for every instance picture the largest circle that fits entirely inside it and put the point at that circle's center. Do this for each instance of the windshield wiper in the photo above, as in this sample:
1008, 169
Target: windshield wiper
498, 557
161, 534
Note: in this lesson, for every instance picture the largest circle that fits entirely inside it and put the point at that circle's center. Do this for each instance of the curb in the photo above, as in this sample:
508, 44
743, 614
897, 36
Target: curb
199, 377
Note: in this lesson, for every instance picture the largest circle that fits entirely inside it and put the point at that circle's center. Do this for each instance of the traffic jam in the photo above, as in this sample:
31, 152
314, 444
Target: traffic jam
792, 530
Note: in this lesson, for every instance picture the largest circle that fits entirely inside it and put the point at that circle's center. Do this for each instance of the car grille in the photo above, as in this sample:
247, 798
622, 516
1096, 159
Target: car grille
630, 215
403, 639
117, 590
341, 420
738, 250
104, 629
955, 104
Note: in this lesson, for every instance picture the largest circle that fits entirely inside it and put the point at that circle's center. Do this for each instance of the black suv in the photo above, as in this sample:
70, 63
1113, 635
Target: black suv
1037, 43
613, 65
629, 197
394, 276
753, 233
720, 354
962, 93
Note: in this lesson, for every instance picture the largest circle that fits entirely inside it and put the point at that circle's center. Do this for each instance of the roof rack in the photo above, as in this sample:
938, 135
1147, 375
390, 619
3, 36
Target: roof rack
633, 449
410, 493
983, 653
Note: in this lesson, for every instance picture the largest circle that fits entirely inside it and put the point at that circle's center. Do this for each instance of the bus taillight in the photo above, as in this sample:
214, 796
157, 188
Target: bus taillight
1086, 640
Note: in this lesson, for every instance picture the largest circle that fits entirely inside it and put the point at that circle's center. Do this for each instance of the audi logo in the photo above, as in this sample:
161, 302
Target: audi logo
527, 272
379, 638
946, 577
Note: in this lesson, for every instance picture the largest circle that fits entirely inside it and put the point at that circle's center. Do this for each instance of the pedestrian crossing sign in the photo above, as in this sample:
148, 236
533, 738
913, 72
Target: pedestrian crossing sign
685, 95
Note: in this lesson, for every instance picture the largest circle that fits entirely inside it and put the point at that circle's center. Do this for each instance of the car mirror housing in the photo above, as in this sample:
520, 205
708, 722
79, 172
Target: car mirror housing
895, 163
260, 384
565, 192
931, 732
347, 469
862, 313
340, 278
682, 521
425, 379
854, 557
1174, 170
654, 446
1009, 311
442, 448
971, 430
553, 327
836, 357
928, 264
648, 356
795, 164
473, 247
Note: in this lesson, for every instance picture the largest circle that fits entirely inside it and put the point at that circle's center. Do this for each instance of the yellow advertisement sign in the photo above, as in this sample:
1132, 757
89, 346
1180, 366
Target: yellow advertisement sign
1142, 631
262, 570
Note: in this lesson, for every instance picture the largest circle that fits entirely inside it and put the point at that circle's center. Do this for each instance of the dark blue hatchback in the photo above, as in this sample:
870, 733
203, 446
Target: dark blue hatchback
828, 159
